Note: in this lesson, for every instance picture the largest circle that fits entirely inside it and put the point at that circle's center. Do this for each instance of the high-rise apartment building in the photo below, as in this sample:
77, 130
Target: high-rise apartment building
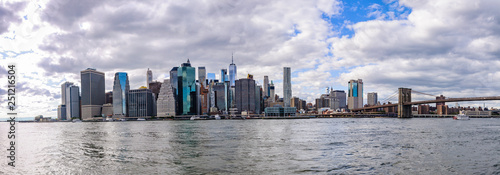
372, 99
121, 88
232, 73
287, 86
149, 77
93, 93
355, 96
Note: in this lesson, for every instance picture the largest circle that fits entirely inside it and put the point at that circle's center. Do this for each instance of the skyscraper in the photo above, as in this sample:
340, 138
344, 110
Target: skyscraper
120, 94
93, 93
223, 75
166, 100
372, 99
355, 96
287, 86
266, 86
72, 102
140, 103
61, 110
173, 77
63, 91
232, 72
271, 91
149, 77
187, 89
245, 95
202, 75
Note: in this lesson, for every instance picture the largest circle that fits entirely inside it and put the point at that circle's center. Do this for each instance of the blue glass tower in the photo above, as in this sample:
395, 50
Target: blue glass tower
232, 72
120, 94
186, 89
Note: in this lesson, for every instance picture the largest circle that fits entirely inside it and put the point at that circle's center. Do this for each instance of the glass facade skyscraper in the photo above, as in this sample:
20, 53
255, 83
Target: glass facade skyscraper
287, 86
120, 94
232, 73
187, 89
223, 75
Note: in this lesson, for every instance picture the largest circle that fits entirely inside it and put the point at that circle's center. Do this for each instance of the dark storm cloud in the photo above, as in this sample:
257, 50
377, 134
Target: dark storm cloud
8, 15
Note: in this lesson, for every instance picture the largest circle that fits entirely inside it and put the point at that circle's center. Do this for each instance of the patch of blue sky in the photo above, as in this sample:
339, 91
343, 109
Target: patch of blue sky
360, 11
12, 54
25, 17
295, 32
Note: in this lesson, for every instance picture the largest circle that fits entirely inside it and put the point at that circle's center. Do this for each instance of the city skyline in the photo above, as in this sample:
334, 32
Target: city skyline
429, 46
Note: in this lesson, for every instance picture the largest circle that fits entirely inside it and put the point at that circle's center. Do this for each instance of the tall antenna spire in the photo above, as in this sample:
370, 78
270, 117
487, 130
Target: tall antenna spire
232, 58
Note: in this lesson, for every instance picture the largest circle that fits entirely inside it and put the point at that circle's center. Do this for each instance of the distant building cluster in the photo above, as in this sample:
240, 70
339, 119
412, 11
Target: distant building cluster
182, 94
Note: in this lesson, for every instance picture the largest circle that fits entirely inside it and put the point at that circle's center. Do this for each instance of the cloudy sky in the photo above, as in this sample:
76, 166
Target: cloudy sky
448, 47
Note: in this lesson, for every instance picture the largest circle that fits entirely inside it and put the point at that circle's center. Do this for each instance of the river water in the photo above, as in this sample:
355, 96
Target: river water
303, 146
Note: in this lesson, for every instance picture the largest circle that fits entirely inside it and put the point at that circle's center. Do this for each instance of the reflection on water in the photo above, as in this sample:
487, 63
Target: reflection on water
351, 146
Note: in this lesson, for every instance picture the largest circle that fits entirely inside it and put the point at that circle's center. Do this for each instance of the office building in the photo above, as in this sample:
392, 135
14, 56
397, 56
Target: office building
202, 75
173, 78
107, 110
338, 99
186, 90
64, 86
109, 97
258, 99
372, 99
93, 93
355, 96
61, 112
220, 96
149, 77
166, 100
232, 73
72, 102
121, 88
266, 87
140, 103
287, 86
245, 95
223, 75
155, 88
271, 92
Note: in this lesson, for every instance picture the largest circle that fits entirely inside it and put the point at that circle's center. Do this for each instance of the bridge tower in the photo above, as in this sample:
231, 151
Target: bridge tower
404, 111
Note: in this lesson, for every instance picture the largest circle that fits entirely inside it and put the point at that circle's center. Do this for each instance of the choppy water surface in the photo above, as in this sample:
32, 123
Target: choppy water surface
313, 146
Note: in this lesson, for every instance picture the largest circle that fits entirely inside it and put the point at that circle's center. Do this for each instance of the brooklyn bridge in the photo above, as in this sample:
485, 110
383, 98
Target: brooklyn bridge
404, 105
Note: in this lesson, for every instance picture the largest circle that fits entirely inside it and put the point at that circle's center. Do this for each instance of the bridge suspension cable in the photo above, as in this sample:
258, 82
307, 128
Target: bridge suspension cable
391, 97
422, 93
